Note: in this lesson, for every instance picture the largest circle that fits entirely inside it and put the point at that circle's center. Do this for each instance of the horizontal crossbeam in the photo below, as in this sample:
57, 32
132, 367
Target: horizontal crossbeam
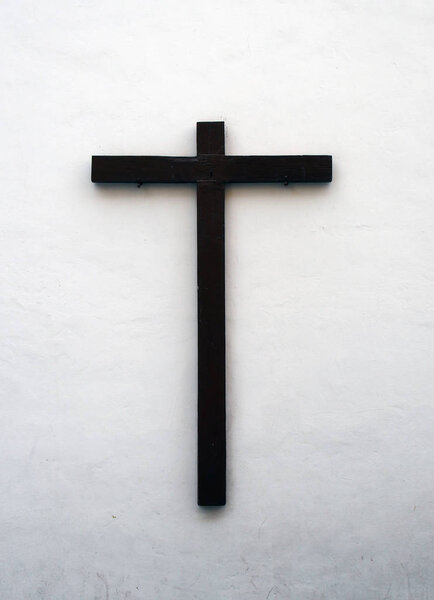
212, 167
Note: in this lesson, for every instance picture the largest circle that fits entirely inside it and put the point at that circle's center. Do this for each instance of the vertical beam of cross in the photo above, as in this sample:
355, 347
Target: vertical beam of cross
211, 324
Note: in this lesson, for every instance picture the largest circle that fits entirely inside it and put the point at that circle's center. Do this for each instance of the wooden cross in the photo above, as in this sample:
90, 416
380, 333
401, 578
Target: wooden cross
211, 169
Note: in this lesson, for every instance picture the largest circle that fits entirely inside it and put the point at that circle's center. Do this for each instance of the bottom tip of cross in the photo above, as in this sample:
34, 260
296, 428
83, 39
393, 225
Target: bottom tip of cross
211, 503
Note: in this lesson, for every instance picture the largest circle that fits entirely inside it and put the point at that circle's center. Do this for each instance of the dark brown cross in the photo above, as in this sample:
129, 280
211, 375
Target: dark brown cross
211, 169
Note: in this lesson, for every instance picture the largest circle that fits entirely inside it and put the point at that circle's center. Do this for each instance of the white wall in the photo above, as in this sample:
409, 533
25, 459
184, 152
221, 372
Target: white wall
330, 319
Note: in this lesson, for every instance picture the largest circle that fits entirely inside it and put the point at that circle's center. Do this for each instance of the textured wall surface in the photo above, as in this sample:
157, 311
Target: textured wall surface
330, 319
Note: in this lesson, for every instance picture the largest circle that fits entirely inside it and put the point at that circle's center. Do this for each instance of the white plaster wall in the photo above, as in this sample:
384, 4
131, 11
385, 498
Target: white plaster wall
330, 319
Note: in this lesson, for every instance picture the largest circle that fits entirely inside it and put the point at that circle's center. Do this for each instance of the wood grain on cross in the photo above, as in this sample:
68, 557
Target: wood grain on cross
211, 169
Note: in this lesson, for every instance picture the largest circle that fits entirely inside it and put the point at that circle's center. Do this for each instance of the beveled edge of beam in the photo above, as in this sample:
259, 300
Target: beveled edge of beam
220, 123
